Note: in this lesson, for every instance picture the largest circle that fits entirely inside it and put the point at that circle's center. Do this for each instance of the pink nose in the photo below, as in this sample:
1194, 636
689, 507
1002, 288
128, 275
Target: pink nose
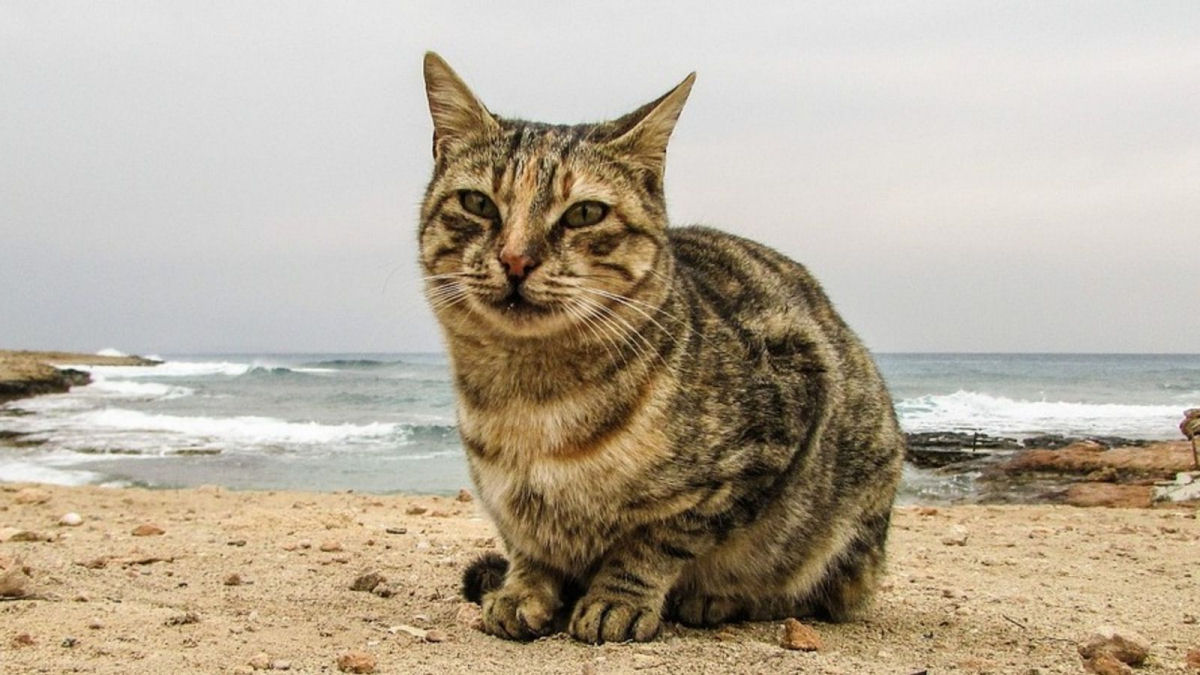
517, 264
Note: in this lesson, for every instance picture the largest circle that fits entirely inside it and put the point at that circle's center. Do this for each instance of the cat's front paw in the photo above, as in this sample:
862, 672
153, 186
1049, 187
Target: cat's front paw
518, 613
607, 618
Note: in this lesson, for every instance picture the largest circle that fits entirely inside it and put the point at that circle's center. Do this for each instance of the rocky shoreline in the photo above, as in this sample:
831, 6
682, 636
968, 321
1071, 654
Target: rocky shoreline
32, 373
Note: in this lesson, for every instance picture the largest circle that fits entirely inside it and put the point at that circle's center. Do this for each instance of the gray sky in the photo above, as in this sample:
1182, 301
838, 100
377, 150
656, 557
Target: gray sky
231, 176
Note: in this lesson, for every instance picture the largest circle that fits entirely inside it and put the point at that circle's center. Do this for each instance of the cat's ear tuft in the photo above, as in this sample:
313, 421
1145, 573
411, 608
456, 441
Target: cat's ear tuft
456, 112
643, 133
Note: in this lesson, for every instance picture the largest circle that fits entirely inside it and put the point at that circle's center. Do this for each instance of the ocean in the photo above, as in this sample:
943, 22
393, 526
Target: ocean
382, 423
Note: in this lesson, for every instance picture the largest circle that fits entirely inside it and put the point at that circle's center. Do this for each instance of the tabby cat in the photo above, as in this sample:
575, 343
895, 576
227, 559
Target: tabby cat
663, 423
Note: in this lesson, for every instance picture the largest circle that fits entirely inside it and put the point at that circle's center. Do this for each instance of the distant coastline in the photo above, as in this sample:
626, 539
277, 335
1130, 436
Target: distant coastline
31, 373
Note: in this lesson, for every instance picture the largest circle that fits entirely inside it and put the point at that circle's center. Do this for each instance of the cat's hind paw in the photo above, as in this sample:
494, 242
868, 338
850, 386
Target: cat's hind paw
603, 618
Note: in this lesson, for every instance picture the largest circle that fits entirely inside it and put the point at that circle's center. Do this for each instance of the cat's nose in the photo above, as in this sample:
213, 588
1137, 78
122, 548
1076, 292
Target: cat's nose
517, 264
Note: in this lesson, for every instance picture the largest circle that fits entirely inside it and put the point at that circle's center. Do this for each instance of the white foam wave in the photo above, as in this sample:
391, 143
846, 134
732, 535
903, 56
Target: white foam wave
967, 411
109, 351
232, 430
174, 369
19, 471
139, 391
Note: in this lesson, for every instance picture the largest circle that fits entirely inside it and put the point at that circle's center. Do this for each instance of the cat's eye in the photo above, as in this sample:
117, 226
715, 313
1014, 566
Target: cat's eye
478, 204
584, 214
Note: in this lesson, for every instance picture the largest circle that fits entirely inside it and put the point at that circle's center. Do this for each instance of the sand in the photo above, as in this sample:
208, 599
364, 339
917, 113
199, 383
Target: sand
265, 578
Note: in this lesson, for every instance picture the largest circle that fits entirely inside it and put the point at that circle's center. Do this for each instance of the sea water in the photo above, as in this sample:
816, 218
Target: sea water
385, 423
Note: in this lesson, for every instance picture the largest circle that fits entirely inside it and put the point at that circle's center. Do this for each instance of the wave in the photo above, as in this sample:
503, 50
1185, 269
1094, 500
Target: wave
173, 369
248, 430
350, 363
139, 391
974, 411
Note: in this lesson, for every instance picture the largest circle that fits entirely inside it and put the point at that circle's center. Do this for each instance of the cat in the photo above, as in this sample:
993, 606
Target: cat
663, 423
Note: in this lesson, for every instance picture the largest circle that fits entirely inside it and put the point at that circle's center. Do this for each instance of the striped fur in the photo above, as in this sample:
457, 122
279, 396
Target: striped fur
664, 423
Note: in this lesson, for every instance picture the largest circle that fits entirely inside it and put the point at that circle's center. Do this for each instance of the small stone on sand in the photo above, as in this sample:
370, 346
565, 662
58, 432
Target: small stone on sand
464, 495
367, 581
260, 661
435, 635
1122, 644
356, 662
331, 546
23, 640
71, 519
147, 530
31, 496
415, 510
799, 636
955, 536
233, 579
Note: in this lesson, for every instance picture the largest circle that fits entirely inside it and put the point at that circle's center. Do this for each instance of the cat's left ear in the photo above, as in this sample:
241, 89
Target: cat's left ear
456, 112
643, 134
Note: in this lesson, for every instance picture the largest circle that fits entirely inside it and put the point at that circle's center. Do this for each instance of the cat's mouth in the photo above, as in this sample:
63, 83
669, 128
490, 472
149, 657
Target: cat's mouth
517, 306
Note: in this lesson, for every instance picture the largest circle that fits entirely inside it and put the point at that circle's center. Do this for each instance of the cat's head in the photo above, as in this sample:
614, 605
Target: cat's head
529, 228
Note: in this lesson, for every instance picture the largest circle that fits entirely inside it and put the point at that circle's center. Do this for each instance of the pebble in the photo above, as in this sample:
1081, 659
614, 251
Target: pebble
182, 619
464, 495
147, 530
23, 640
1122, 644
956, 536
415, 510
95, 624
331, 546
469, 615
260, 661
435, 635
71, 519
17, 534
368, 581
796, 635
281, 664
14, 583
69, 642
356, 662
397, 530
234, 579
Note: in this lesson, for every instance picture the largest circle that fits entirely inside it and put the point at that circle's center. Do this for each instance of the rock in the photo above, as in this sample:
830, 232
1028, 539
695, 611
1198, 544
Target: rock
147, 530
14, 582
16, 534
415, 510
439, 513
469, 615
233, 579
182, 619
1122, 644
464, 496
71, 519
397, 530
435, 635
31, 496
281, 664
367, 582
1106, 664
69, 642
331, 546
356, 662
956, 536
23, 640
1109, 495
1193, 659
260, 661
796, 635
95, 624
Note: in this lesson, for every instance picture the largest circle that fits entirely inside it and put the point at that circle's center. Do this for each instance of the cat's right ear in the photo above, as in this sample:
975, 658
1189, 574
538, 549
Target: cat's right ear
456, 112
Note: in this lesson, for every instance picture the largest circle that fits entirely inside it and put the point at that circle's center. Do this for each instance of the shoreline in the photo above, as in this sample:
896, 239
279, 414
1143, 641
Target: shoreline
222, 581
25, 373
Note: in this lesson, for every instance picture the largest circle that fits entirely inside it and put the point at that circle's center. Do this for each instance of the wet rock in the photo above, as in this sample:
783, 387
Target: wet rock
71, 519
796, 635
356, 662
464, 495
147, 530
367, 582
1124, 645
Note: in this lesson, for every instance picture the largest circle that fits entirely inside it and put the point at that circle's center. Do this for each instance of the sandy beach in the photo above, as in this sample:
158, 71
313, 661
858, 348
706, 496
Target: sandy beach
243, 579
213, 580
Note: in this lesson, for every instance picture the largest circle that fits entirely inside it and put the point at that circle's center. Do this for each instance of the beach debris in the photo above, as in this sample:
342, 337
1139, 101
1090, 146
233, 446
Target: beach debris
796, 635
368, 581
1190, 426
1110, 649
416, 510
31, 496
356, 662
71, 519
69, 642
464, 495
182, 619
956, 535
331, 546
23, 640
147, 530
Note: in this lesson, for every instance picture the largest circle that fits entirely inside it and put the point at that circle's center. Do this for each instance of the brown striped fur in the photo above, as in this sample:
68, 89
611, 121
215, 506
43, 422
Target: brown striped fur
664, 423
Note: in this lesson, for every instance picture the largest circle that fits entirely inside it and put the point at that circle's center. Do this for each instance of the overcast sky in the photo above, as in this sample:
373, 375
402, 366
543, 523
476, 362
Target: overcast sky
231, 176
